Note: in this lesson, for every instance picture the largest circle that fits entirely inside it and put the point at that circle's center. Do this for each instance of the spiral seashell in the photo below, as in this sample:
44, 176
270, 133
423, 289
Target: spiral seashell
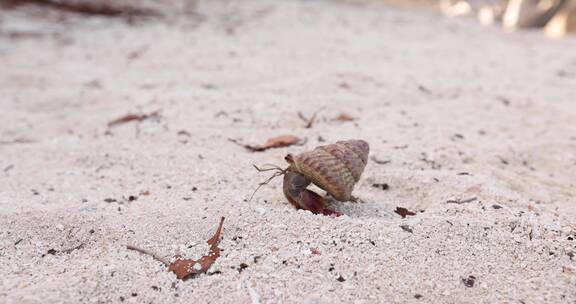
335, 168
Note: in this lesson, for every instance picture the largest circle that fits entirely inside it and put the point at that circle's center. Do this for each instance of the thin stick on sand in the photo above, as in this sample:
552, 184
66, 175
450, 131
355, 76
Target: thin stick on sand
144, 251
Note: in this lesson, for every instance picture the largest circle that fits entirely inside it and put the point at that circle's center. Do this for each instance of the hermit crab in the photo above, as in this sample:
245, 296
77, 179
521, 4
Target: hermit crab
335, 168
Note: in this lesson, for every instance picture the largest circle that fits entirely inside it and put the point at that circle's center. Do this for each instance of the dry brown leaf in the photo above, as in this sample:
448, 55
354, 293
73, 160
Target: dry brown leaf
403, 212
186, 267
274, 142
132, 117
281, 141
344, 117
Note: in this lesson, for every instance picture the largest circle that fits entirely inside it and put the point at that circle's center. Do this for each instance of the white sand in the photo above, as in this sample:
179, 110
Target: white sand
413, 79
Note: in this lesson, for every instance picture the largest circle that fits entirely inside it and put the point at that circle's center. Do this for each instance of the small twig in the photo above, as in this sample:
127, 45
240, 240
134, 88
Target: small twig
469, 200
380, 162
144, 251
69, 250
17, 141
8, 168
133, 117
309, 122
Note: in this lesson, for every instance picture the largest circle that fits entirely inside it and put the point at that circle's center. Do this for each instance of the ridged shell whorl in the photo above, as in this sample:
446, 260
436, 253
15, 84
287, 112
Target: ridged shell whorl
335, 168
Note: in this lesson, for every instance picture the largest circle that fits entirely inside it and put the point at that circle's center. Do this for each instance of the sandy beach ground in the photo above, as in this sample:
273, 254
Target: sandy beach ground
472, 128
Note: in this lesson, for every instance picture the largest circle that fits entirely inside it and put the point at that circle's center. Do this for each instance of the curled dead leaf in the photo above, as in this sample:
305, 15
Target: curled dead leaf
274, 142
186, 267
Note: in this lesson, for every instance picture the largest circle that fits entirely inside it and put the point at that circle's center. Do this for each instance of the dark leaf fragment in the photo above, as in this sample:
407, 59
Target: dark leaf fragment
469, 281
383, 186
403, 212
406, 228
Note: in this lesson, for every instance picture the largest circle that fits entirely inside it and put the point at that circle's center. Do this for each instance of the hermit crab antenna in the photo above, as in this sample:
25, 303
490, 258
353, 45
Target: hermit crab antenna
270, 168
279, 172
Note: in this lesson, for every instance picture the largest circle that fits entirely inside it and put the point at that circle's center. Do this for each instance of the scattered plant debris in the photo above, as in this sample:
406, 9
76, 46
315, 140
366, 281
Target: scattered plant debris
505, 101
469, 282
17, 141
133, 117
345, 86
137, 53
184, 268
184, 133
403, 212
309, 121
424, 89
433, 164
242, 267
144, 251
406, 228
8, 168
457, 136
457, 201
383, 186
69, 250
379, 161
274, 142
344, 117
53, 251
16, 35
83, 8
315, 251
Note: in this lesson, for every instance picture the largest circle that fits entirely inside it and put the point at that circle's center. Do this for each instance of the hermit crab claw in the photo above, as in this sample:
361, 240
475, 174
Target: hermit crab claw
295, 191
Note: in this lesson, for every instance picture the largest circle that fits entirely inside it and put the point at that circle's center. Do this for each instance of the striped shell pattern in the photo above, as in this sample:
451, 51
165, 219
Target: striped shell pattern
335, 168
